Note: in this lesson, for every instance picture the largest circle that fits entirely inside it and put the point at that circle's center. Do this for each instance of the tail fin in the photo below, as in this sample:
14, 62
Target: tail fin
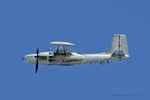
119, 45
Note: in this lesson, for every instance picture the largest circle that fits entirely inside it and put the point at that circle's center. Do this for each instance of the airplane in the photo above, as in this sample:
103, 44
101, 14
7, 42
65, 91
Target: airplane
63, 56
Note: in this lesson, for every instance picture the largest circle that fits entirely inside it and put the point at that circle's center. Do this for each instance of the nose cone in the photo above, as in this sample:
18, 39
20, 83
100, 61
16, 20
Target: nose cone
29, 58
25, 58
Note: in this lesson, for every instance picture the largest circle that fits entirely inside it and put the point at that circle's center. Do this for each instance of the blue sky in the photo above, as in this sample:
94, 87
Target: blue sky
90, 24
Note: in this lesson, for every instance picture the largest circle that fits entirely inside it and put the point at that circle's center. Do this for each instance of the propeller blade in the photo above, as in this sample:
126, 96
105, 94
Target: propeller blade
36, 67
37, 60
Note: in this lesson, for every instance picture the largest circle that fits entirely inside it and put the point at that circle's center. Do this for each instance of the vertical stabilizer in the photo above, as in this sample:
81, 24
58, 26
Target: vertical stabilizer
119, 45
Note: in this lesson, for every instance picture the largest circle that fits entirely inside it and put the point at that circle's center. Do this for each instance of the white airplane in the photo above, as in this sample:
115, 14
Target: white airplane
63, 56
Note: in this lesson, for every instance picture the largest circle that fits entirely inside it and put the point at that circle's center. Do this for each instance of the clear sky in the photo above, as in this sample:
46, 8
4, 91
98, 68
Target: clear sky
90, 24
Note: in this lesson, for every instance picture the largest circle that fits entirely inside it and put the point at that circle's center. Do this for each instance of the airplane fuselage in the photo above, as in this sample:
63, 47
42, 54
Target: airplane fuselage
48, 58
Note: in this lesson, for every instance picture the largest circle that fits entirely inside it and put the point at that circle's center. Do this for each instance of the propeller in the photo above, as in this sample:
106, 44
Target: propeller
37, 60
